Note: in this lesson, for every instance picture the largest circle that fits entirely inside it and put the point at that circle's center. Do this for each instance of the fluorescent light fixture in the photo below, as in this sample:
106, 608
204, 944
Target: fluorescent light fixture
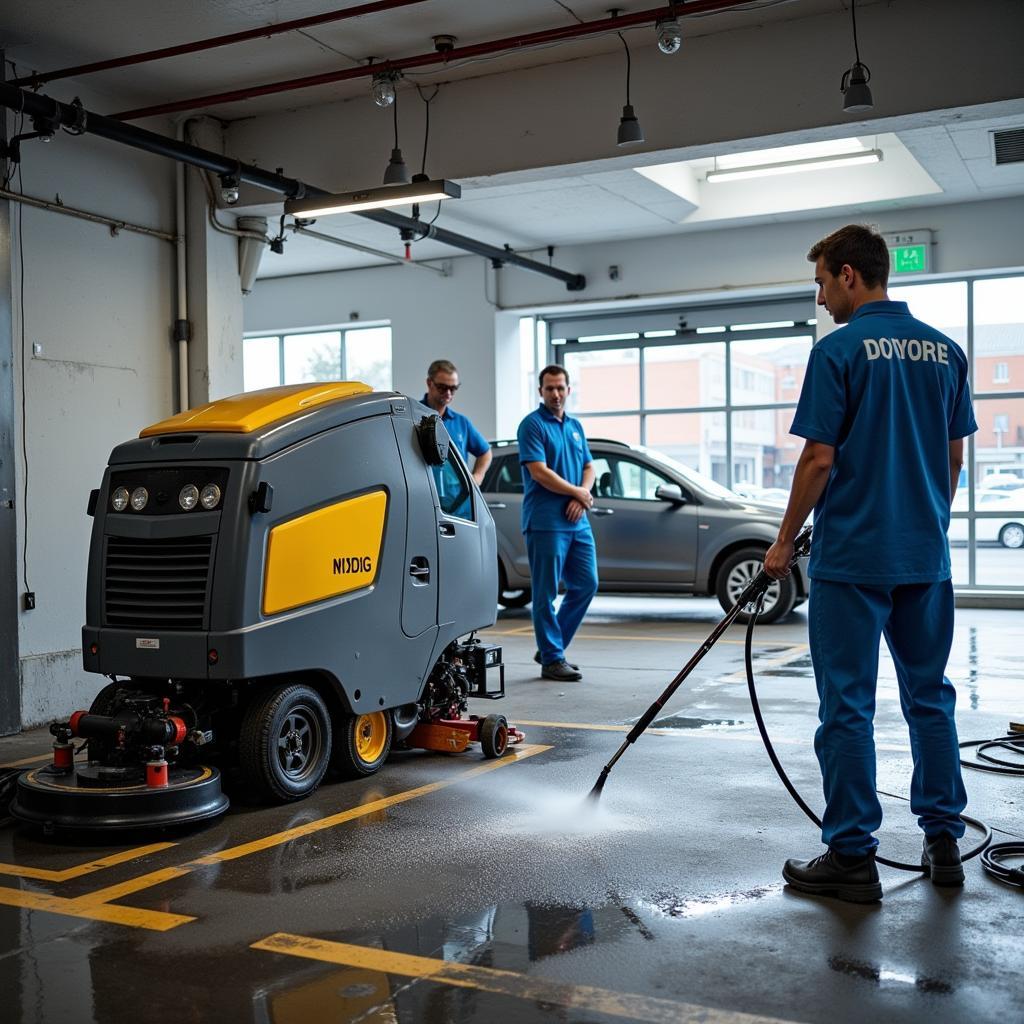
558, 341
632, 336
372, 198
711, 330
867, 156
659, 334
763, 327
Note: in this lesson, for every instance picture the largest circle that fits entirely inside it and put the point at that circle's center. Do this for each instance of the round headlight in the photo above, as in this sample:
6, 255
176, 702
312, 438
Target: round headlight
188, 496
210, 497
119, 499
139, 498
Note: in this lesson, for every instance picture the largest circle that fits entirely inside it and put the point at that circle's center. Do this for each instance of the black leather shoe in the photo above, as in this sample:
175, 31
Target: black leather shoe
855, 882
940, 859
560, 671
536, 658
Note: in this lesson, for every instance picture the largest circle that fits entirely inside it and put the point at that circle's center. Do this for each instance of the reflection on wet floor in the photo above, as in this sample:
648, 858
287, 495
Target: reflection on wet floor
671, 905
679, 721
879, 975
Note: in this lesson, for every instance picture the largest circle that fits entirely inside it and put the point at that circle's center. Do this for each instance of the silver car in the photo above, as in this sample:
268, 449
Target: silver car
660, 528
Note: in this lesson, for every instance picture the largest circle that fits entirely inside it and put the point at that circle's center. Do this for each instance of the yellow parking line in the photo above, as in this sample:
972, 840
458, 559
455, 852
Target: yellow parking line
586, 998
47, 875
26, 761
96, 905
791, 653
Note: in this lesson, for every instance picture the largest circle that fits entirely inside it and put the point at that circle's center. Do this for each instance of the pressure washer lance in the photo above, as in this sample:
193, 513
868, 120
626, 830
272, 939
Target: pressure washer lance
753, 591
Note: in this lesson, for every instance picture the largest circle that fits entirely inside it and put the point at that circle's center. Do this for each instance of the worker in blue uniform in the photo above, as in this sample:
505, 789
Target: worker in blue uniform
884, 409
558, 472
442, 383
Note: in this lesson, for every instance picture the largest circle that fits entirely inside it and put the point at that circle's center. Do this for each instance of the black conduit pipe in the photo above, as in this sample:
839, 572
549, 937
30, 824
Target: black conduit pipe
51, 114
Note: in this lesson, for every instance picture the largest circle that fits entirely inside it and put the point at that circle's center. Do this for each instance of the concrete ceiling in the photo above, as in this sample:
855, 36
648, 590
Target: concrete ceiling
933, 163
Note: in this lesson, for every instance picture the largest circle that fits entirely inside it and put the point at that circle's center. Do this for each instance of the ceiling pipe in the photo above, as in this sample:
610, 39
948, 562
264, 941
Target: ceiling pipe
509, 43
54, 114
212, 42
369, 250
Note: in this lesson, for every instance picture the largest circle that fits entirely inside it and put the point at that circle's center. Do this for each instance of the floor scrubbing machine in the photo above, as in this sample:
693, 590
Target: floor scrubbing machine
278, 582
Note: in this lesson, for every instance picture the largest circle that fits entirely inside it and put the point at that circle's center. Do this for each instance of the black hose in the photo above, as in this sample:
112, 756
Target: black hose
992, 862
988, 763
761, 728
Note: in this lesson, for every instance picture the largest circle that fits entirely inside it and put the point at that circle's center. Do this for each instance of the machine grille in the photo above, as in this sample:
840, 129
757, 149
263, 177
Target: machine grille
159, 583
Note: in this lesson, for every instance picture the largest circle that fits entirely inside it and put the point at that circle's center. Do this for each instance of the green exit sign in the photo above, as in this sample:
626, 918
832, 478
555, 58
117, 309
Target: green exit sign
909, 259
909, 251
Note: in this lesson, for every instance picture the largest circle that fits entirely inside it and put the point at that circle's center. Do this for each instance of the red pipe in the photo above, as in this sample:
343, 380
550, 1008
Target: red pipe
213, 42
549, 35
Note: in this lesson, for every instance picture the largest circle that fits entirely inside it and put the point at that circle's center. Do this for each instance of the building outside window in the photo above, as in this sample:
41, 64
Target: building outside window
350, 353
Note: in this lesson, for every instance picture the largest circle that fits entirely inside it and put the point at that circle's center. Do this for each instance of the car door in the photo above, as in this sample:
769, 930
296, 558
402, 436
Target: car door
641, 539
503, 492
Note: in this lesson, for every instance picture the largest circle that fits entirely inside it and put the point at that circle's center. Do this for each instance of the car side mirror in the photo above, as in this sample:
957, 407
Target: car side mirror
672, 493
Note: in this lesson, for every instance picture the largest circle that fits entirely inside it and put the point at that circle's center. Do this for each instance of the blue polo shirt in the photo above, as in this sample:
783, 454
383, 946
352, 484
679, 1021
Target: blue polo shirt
464, 435
889, 393
562, 446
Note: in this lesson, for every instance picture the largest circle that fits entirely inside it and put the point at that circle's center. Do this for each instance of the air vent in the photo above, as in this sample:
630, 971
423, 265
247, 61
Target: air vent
158, 584
1009, 146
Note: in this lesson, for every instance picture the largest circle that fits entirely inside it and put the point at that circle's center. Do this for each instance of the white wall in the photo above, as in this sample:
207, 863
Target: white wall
100, 307
432, 317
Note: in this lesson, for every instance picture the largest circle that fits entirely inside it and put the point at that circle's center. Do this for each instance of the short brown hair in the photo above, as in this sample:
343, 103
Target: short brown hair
441, 366
860, 247
554, 370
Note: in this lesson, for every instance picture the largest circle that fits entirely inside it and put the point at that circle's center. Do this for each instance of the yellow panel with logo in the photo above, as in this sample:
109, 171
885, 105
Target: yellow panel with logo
331, 551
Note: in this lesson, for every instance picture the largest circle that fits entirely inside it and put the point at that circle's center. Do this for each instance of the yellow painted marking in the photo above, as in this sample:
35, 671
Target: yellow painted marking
698, 640
27, 760
154, 920
47, 875
791, 653
692, 734
96, 905
586, 998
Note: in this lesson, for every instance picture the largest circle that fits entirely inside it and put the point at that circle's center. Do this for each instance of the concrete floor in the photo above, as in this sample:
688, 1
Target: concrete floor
447, 888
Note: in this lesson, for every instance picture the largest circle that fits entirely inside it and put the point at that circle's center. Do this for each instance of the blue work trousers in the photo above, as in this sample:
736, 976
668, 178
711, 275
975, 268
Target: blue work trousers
560, 555
846, 622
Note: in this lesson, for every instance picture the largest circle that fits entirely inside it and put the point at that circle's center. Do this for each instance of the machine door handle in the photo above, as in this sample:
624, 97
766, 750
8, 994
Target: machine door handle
602, 511
419, 570
496, 504
446, 529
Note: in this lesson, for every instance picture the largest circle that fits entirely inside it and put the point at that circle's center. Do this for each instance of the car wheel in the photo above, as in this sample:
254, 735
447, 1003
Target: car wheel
284, 744
737, 571
1012, 535
509, 597
364, 744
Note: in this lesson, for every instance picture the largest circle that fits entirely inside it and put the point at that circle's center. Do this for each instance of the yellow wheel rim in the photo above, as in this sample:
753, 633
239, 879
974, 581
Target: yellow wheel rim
371, 736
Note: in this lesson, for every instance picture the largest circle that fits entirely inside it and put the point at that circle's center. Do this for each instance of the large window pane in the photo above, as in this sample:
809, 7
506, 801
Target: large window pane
261, 363
696, 439
768, 369
942, 306
999, 445
368, 357
764, 454
613, 428
681, 376
958, 551
999, 335
312, 357
603, 381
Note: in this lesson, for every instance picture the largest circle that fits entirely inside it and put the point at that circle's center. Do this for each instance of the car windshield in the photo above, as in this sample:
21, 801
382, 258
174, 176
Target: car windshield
705, 483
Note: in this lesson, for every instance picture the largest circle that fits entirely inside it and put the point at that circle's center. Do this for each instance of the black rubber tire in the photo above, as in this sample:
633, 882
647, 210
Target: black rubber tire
103, 702
726, 595
494, 736
346, 759
509, 598
284, 744
1014, 532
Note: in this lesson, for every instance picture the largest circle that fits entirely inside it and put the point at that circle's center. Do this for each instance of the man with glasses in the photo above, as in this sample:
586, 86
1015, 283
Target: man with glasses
442, 383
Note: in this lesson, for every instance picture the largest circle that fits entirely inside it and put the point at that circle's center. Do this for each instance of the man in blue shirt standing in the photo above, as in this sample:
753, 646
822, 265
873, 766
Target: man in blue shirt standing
442, 383
558, 472
884, 409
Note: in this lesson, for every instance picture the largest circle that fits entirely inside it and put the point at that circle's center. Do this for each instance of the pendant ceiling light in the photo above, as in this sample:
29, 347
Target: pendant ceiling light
854, 86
